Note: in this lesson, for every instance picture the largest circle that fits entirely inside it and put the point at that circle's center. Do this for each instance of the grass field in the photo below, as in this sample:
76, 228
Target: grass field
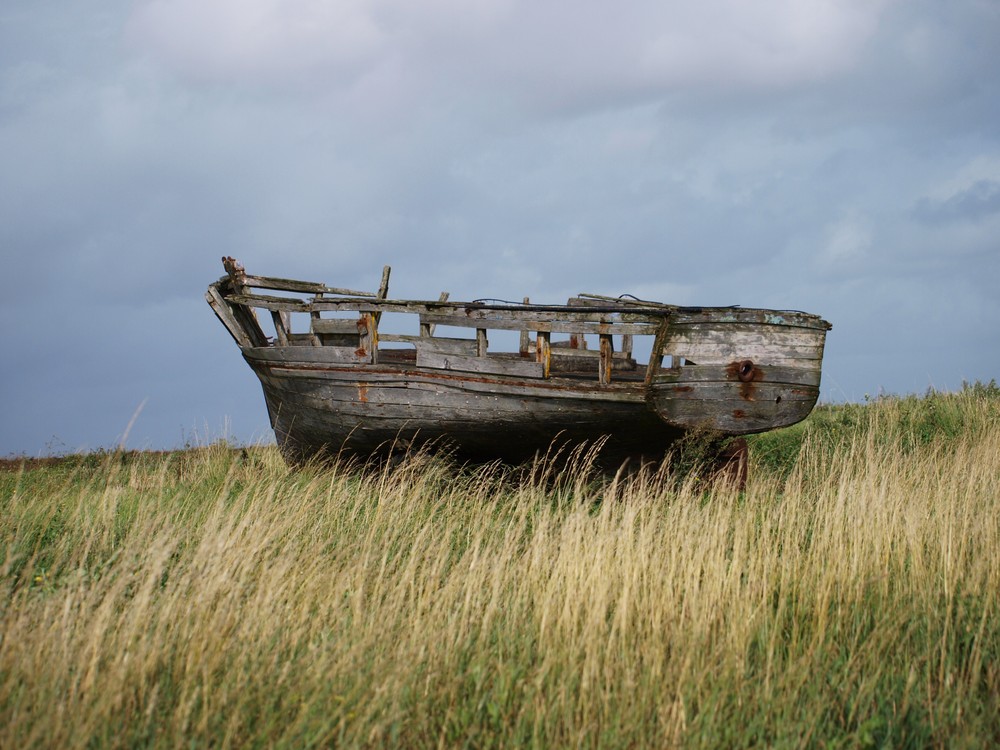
848, 597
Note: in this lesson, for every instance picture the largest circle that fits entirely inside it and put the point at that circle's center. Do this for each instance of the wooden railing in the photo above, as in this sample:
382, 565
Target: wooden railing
357, 339
686, 335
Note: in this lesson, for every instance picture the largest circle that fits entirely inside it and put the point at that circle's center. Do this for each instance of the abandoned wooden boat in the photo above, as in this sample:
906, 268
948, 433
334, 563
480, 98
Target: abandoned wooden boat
349, 372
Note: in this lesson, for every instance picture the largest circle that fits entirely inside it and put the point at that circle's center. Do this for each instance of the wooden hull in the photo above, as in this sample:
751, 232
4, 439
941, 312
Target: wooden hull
329, 409
748, 370
346, 386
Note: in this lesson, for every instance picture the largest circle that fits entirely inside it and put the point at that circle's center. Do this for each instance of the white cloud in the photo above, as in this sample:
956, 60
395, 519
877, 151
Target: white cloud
982, 168
848, 241
772, 43
972, 193
252, 39
575, 54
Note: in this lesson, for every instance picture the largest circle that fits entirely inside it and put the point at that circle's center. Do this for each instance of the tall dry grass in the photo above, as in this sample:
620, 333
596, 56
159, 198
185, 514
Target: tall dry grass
215, 598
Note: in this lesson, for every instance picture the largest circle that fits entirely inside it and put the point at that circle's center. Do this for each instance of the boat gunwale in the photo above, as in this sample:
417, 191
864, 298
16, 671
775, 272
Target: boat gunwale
632, 311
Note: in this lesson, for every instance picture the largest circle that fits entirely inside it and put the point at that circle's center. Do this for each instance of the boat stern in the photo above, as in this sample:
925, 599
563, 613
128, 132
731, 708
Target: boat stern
737, 371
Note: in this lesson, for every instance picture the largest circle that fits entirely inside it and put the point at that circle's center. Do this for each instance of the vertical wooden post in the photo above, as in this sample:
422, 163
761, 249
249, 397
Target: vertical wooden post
374, 320
313, 317
243, 314
606, 359
383, 288
543, 351
481, 342
427, 329
525, 338
368, 337
656, 355
280, 326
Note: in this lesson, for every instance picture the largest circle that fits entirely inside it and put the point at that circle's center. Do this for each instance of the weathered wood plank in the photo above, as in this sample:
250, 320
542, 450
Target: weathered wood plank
558, 325
286, 364
594, 300
588, 362
241, 318
284, 285
336, 325
732, 393
712, 353
745, 334
223, 312
320, 355
683, 316
445, 345
492, 365
776, 406
587, 355
268, 302
692, 374
294, 285
399, 338
465, 310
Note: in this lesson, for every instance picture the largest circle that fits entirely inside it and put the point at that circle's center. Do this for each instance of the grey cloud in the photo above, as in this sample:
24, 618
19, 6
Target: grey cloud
562, 55
490, 149
979, 201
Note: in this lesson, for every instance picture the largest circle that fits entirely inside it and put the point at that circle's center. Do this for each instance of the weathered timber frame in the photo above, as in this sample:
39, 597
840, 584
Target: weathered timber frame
681, 333
236, 296
334, 379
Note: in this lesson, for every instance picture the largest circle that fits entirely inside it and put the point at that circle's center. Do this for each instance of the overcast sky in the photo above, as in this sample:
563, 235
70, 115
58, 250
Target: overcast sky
836, 156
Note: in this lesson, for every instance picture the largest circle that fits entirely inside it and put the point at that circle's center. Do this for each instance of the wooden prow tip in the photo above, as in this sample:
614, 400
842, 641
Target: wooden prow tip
233, 267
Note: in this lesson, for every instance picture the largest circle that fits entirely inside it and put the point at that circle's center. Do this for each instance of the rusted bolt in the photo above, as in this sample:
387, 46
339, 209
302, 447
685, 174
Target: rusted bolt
746, 371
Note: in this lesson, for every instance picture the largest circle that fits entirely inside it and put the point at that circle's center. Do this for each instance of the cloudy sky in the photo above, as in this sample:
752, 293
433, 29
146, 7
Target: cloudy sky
835, 156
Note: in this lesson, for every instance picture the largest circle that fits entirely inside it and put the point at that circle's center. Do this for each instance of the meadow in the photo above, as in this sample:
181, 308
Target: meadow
846, 597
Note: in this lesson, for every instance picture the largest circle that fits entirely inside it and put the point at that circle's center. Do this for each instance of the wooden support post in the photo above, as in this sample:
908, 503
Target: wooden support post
281, 321
525, 338
627, 345
224, 312
383, 288
383, 292
543, 351
244, 315
656, 355
443, 297
368, 337
606, 359
314, 315
481, 342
